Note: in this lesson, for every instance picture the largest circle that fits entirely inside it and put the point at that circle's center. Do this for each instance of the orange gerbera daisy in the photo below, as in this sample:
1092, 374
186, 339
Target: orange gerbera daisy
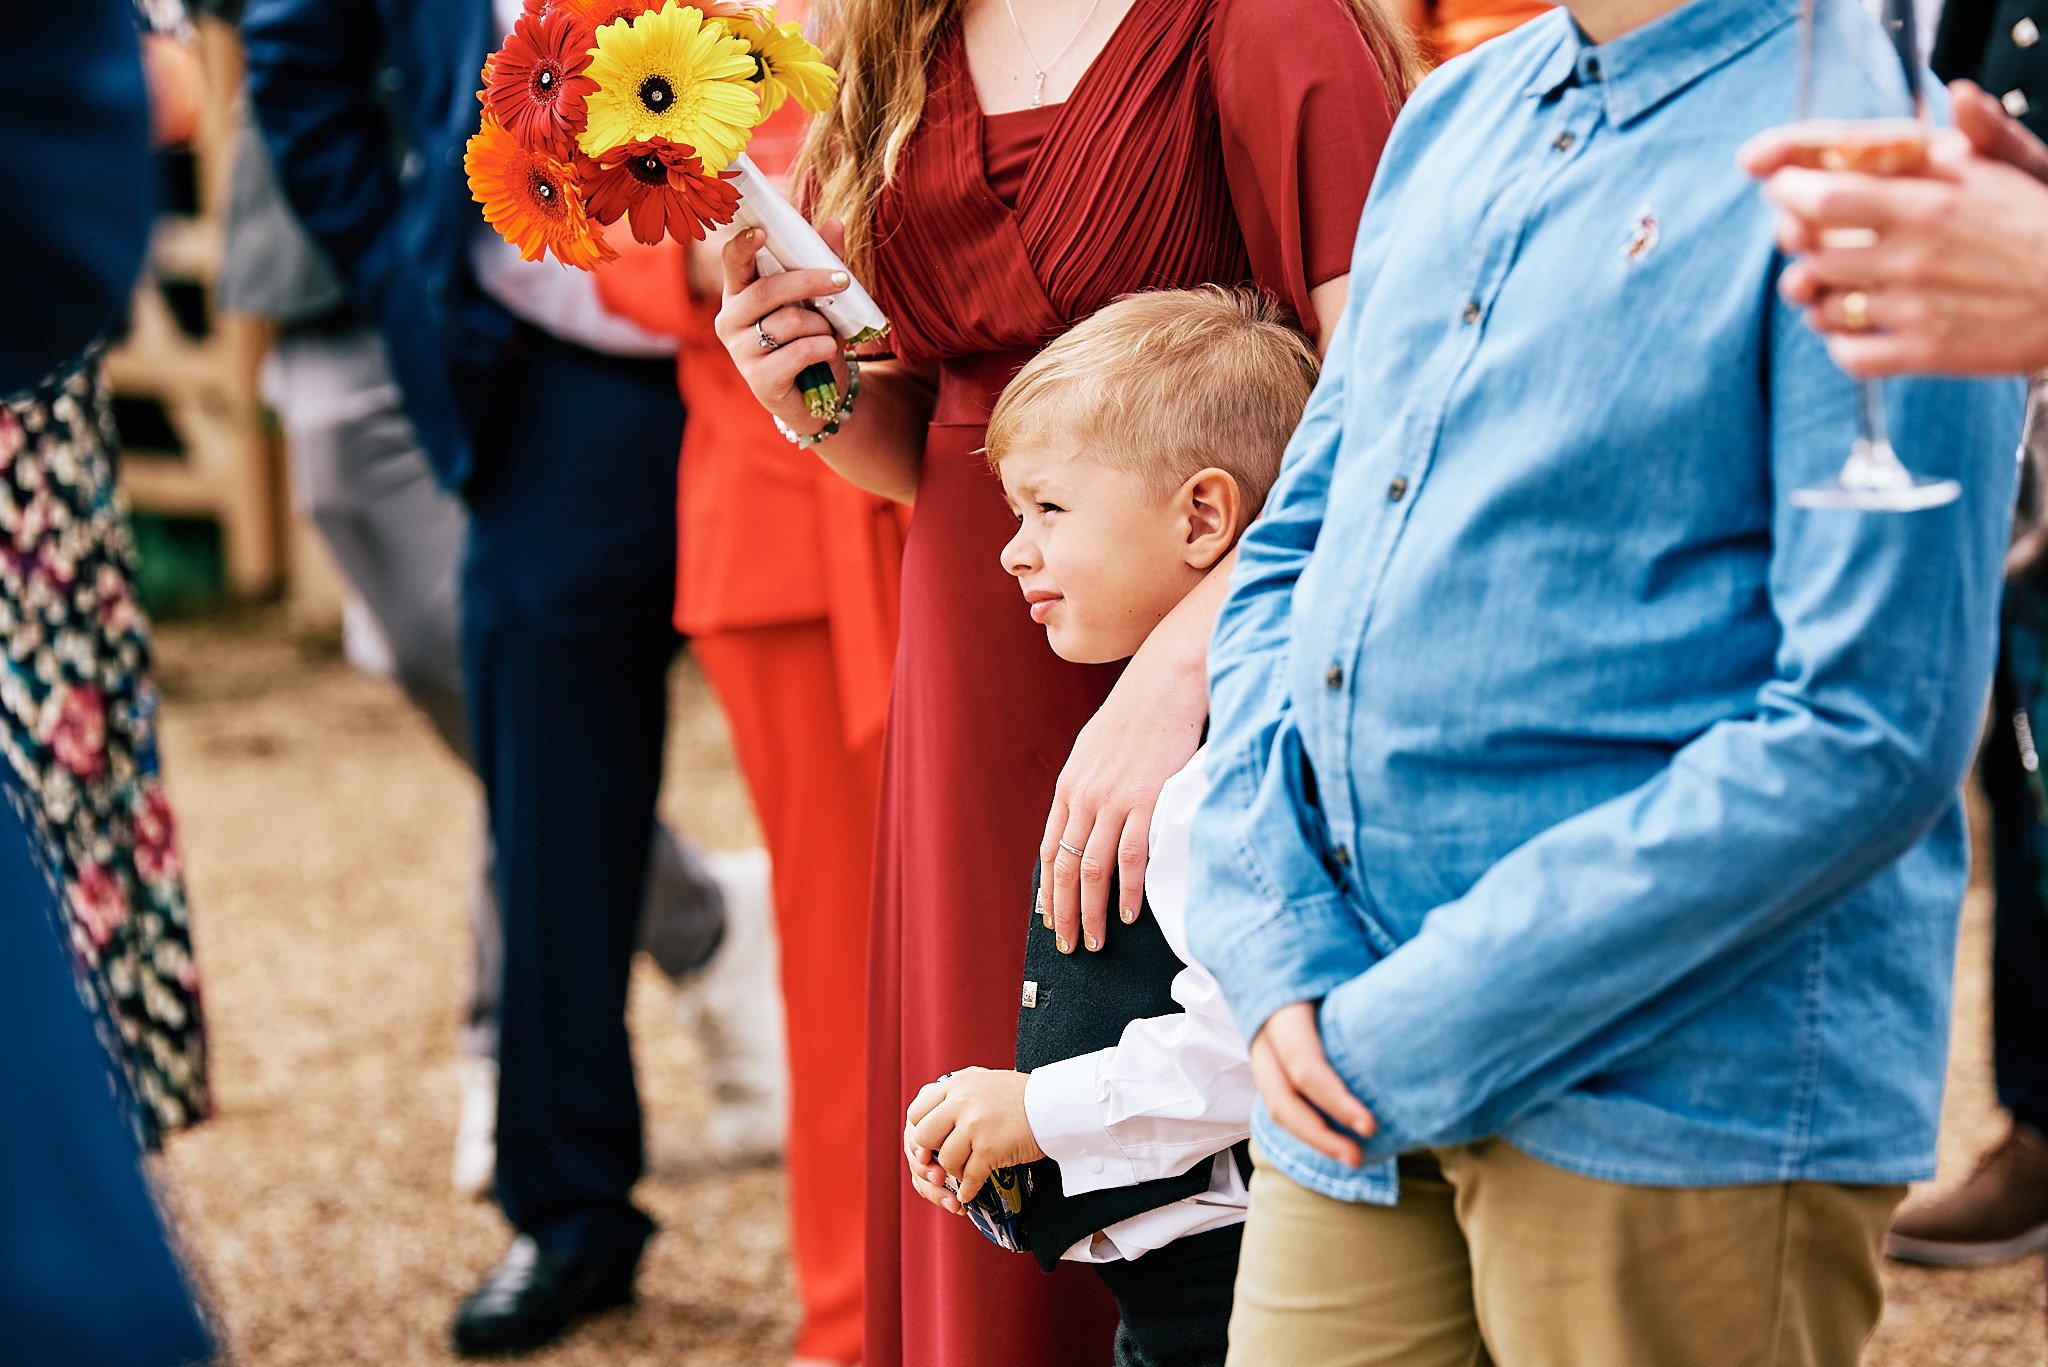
658, 186
534, 86
532, 199
598, 13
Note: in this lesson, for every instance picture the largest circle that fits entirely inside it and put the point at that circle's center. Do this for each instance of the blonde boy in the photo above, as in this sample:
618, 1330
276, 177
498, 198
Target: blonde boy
1133, 451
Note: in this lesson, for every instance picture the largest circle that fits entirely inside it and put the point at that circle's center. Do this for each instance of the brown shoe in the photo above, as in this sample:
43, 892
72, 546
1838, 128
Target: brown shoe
2000, 1214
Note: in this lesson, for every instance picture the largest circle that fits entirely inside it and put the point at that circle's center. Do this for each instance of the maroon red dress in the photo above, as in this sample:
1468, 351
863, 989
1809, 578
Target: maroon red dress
1212, 141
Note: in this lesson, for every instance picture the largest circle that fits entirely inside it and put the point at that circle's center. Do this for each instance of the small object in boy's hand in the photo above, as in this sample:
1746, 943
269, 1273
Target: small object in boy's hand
997, 1210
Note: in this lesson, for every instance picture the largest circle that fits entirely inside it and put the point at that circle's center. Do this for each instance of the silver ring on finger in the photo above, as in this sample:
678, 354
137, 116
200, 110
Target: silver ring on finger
767, 343
1078, 854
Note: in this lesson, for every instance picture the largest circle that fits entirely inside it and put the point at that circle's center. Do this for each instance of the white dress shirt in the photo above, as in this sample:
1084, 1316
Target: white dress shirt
1173, 1092
555, 298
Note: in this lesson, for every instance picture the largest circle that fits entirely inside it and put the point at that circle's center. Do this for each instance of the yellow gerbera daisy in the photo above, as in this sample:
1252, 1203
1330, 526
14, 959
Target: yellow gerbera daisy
670, 75
789, 66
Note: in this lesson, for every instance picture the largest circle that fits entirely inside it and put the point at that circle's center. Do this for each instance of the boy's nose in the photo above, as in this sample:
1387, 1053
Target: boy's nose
1019, 556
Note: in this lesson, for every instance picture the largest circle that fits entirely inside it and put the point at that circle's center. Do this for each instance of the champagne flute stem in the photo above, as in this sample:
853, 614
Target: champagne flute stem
1870, 421
1873, 464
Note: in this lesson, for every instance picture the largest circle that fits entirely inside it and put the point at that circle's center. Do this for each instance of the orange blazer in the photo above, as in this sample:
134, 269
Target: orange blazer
766, 533
1452, 27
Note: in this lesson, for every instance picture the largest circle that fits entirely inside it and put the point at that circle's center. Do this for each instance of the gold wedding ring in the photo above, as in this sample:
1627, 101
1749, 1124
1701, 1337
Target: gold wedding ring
1856, 311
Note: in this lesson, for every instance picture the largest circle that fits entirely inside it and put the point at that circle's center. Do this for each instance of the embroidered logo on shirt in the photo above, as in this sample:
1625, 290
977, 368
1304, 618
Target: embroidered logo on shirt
1643, 237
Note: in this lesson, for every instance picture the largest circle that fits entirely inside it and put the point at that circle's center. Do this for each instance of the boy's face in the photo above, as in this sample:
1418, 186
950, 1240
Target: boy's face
1101, 556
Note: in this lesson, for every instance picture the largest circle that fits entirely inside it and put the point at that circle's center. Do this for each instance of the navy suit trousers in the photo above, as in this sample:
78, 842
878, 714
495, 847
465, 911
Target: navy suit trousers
2019, 938
568, 586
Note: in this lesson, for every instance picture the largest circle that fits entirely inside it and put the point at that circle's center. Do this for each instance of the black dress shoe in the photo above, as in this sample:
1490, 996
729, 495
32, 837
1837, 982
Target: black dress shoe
532, 1296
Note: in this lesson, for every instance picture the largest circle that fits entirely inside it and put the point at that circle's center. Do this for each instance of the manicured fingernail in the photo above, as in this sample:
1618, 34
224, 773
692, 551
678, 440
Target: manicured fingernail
1093, 943
1065, 948
840, 279
1130, 915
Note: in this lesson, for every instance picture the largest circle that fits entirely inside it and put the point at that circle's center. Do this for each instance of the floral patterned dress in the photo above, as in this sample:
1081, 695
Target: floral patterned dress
78, 716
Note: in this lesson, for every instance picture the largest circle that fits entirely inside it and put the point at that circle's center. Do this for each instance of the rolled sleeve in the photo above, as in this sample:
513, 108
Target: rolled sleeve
1274, 928
1269, 922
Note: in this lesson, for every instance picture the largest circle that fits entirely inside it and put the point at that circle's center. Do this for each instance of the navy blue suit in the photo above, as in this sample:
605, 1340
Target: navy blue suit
389, 203
86, 1275
567, 460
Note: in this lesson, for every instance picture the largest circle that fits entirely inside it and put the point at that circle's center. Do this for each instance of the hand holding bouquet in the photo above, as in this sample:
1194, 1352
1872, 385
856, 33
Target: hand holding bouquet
598, 110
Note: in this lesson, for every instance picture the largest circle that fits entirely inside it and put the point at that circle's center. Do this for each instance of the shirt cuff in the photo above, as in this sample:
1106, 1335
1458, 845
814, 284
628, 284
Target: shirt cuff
1065, 1115
1390, 1137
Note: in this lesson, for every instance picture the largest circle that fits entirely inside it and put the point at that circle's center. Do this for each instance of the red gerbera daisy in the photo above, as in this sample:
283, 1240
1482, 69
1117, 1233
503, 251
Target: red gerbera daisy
657, 186
534, 85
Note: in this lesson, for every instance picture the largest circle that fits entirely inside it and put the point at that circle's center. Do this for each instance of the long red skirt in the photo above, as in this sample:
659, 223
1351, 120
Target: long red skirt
981, 721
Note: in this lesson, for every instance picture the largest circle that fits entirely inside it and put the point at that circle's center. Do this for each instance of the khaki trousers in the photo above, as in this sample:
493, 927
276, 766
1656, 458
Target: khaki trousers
1493, 1259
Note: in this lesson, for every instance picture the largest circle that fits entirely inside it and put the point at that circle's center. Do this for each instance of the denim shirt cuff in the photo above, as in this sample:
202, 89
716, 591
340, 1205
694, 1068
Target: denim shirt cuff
1298, 953
1371, 1183
1390, 1137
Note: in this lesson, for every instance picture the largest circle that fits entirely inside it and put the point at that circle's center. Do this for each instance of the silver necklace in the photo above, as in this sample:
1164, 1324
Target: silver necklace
1039, 68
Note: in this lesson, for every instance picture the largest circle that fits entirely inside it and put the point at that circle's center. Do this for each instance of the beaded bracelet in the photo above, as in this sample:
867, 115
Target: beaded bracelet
840, 414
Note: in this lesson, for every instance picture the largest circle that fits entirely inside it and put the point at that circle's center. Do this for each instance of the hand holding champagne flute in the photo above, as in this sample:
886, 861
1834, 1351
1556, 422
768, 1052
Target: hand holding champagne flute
1873, 479
1953, 270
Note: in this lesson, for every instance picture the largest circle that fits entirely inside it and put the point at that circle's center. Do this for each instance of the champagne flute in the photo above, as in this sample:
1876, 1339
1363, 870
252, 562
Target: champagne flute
1873, 479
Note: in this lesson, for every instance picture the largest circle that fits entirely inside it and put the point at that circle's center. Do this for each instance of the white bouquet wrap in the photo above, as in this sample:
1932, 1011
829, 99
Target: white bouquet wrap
793, 244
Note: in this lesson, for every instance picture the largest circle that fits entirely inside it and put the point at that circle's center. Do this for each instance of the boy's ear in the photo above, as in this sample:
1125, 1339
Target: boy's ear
1213, 504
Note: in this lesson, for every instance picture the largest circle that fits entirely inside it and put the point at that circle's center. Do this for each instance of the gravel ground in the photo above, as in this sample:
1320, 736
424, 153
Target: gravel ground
330, 843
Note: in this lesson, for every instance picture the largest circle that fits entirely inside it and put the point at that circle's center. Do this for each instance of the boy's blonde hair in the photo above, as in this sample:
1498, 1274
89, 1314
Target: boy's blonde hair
1166, 384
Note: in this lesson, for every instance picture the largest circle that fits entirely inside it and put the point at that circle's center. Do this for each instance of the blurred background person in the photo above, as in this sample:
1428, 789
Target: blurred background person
558, 424
787, 588
1950, 275
78, 705
2002, 1211
1451, 28
360, 476
86, 1273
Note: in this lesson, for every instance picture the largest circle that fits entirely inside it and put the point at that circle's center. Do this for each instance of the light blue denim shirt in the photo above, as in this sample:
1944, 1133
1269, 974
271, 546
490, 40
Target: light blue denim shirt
1604, 800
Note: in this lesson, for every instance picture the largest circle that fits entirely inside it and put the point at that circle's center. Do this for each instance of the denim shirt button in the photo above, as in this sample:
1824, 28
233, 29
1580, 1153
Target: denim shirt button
1335, 678
1472, 311
1342, 856
1398, 490
1564, 141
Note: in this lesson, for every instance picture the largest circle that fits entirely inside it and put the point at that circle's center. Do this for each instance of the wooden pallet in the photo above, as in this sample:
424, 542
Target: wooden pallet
198, 444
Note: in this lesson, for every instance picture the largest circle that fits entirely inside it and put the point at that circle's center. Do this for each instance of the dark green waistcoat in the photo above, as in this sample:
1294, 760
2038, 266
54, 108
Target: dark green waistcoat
1076, 1004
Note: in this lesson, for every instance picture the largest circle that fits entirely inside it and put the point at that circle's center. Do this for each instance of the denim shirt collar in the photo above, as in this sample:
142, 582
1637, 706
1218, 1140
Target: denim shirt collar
1646, 66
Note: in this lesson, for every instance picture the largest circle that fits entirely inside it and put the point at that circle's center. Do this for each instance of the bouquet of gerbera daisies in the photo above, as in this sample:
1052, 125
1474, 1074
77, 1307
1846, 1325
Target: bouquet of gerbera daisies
598, 110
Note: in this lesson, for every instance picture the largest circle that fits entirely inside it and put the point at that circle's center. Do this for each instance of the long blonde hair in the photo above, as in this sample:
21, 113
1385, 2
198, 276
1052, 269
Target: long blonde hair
881, 49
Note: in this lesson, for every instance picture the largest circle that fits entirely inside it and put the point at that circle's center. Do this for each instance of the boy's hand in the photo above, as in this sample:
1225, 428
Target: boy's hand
1300, 1087
969, 1124
927, 1178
